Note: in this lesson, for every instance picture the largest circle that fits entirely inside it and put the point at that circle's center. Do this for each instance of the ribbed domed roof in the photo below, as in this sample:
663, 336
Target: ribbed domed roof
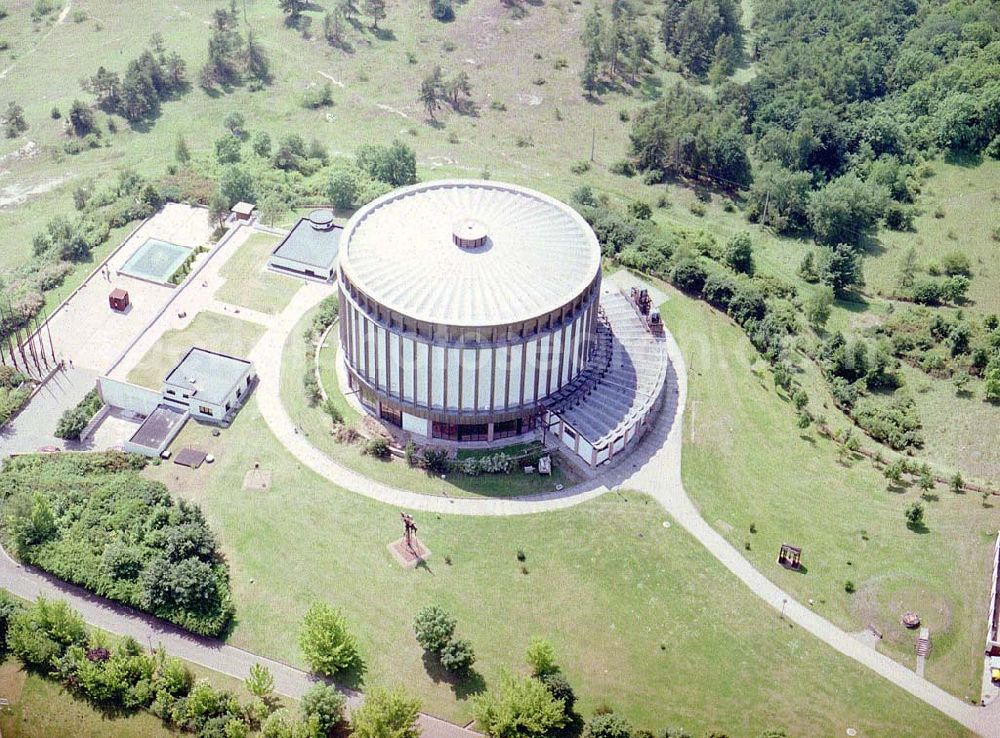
420, 251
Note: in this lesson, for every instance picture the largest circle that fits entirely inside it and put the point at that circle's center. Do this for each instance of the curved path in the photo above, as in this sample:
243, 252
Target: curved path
653, 467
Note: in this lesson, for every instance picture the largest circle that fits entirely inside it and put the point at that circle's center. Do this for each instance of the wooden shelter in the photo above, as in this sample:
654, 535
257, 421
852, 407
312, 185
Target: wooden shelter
118, 299
790, 557
243, 210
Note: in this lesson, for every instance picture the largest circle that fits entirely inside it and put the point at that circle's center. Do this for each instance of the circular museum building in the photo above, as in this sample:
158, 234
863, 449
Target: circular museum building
466, 306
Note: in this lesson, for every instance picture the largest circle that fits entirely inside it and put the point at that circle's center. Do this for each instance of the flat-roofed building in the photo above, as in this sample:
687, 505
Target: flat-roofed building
310, 249
209, 385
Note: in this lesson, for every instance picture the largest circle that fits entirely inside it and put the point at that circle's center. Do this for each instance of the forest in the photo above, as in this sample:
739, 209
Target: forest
847, 101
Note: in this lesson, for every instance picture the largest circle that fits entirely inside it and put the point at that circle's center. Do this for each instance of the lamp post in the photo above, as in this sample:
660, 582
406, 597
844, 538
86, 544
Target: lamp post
784, 601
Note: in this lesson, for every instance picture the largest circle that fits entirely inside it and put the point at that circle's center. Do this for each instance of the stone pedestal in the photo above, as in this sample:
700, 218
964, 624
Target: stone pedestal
409, 556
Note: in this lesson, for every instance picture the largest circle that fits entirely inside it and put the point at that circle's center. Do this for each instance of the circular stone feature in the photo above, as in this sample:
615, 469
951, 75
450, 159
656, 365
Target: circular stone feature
469, 233
321, 219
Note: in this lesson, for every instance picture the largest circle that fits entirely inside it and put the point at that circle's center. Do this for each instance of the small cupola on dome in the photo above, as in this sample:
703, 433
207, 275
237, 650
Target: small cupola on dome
469, 233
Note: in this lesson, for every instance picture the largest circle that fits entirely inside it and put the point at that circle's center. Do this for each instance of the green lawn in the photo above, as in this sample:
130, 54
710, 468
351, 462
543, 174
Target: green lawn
642, 618
316, 424
745, 462
212, 331
329, 355
248, 282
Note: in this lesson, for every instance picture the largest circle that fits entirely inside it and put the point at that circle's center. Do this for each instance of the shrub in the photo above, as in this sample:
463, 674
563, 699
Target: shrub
41, 633
73, 421
926, 292
377, 447
442, 10
331, 409
688, 275
894, 423
318, 97
580, 167
541, 657
342, 189
956, 262
326, 642
849, 587
954, 288
457, 656
914, 515
323, 705
739, 253
609, 725
519, 706
435, 460
260, 682
433, 628
623, 168
560, 689
386, 714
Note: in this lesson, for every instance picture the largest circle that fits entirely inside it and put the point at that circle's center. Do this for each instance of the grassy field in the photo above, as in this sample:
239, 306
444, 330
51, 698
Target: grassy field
207, 330
41, 708
641, 617
249, 284
794, 489
544, 128
968, 199
316, 424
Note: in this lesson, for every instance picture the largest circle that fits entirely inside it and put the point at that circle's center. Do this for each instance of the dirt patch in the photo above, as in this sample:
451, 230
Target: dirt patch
17, 194
12, 678
28, 151
390, 109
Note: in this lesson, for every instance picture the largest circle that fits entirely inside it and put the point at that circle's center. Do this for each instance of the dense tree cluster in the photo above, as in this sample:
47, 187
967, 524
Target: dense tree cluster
684, 133
704, 35
848, 100
92, 520
155, 76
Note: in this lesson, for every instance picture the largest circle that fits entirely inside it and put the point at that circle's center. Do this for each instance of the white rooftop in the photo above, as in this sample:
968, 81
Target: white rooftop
469, 252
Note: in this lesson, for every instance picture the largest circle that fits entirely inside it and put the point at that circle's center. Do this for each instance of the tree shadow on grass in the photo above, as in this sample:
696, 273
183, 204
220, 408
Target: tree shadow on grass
919, 528
464, 685
384, 34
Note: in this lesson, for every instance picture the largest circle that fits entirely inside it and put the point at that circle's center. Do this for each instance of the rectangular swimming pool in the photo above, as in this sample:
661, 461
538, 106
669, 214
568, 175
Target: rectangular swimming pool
155, 261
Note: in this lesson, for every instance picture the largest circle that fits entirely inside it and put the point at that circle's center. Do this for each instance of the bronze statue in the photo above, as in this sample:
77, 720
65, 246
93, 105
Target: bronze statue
409, 529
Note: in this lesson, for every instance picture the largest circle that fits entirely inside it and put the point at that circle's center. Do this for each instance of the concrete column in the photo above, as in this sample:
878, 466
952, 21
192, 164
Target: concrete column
489, 432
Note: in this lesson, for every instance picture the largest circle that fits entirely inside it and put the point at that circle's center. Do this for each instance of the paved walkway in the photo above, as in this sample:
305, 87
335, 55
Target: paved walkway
35, 425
